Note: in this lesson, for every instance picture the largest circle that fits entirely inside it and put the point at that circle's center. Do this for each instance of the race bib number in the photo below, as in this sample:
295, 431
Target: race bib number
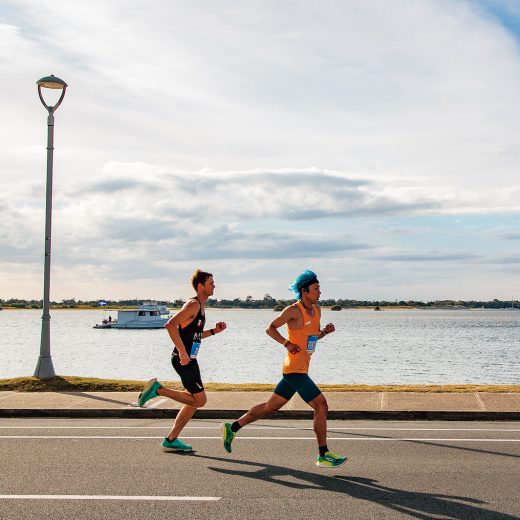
195, 347
311, 343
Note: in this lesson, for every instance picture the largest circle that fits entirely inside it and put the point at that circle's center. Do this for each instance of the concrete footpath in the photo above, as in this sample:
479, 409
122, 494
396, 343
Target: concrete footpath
342, 405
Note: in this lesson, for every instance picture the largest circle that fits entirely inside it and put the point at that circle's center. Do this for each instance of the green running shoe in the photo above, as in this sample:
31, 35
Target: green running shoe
330, 460
227, 436
175, 445
149, 391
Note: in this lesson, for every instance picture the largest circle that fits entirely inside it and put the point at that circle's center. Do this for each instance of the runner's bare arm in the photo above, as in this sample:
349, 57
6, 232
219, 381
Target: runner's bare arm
288, 314
219, 327
186, 314
327, 329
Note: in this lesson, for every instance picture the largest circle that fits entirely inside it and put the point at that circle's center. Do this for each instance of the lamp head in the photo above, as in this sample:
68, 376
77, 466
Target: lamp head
51, 82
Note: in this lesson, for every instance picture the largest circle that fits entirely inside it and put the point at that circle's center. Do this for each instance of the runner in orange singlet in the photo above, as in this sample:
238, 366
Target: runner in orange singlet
303, 331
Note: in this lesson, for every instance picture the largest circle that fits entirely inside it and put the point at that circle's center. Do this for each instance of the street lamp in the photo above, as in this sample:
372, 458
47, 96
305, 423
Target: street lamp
44, 368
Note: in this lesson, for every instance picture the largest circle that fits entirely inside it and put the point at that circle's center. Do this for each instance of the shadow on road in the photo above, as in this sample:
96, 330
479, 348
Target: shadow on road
425, 506
434, 443
97, 398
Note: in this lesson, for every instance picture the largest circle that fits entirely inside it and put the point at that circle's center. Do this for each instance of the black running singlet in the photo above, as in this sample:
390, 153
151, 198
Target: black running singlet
193, 331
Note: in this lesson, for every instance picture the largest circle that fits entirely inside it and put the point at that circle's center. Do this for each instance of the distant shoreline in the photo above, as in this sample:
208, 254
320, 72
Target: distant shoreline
327, 307
268, 302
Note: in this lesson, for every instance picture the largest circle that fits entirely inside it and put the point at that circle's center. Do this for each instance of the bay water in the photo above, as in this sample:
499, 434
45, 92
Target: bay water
388, 347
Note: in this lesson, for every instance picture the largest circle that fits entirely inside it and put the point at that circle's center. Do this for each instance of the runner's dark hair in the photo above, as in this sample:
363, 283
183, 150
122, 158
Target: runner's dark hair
199, 276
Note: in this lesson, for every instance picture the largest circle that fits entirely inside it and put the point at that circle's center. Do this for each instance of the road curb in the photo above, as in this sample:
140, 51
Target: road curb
153, 413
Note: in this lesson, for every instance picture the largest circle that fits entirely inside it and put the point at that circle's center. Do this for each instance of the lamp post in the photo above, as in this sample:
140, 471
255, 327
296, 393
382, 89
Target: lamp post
44, 367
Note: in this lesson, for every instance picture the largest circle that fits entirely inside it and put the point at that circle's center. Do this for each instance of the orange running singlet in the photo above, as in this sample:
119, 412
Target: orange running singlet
306, 339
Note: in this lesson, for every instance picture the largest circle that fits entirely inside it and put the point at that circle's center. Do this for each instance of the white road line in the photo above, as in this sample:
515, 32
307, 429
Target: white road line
331, 430
94, 437
109, 497
370, 439
217, 427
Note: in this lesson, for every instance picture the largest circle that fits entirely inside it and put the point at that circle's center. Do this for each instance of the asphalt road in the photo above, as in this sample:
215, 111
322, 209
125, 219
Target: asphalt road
114, 468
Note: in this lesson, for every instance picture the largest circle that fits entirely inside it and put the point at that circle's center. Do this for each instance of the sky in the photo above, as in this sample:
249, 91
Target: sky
376, 142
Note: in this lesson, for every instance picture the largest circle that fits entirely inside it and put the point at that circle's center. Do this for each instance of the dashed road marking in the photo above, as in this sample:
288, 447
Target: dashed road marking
110, 497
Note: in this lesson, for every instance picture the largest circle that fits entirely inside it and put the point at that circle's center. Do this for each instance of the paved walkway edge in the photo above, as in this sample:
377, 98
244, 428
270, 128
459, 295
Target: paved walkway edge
147, 413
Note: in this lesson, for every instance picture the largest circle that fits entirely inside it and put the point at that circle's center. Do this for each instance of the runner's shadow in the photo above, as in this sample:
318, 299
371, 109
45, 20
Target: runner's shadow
434, 443
425, 506
97, 397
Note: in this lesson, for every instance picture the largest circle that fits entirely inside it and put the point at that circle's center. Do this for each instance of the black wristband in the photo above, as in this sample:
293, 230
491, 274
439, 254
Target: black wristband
212, 332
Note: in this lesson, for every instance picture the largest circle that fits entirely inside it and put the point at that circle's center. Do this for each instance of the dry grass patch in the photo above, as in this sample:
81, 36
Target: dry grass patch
422, 388
89, 384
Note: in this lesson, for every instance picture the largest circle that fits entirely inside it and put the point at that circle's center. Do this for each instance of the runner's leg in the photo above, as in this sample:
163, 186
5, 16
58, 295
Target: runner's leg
274, 403
282, 393
320, 407
176, 395
192, 382
185, 414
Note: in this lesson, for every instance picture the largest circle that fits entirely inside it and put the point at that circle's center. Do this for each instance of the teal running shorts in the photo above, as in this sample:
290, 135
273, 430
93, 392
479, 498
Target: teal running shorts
301, 383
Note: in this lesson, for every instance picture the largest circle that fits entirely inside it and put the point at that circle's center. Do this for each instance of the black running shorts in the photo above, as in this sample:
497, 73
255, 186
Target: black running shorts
189, 374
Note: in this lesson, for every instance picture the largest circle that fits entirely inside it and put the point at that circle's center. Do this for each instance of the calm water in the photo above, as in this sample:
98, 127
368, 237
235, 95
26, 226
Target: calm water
439, 347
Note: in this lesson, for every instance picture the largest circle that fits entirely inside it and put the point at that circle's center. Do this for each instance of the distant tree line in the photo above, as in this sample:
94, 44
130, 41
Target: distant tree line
267, 302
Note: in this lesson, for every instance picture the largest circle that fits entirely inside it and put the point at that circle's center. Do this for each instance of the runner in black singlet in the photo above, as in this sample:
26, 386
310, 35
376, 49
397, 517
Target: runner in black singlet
186, 330
191, 334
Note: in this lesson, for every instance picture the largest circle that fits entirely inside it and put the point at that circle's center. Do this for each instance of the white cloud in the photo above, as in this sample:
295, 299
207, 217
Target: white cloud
291, 194
140, 223
189, 128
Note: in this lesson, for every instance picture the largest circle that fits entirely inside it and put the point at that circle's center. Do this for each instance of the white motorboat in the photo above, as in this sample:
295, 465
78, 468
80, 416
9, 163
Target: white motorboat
149, 315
